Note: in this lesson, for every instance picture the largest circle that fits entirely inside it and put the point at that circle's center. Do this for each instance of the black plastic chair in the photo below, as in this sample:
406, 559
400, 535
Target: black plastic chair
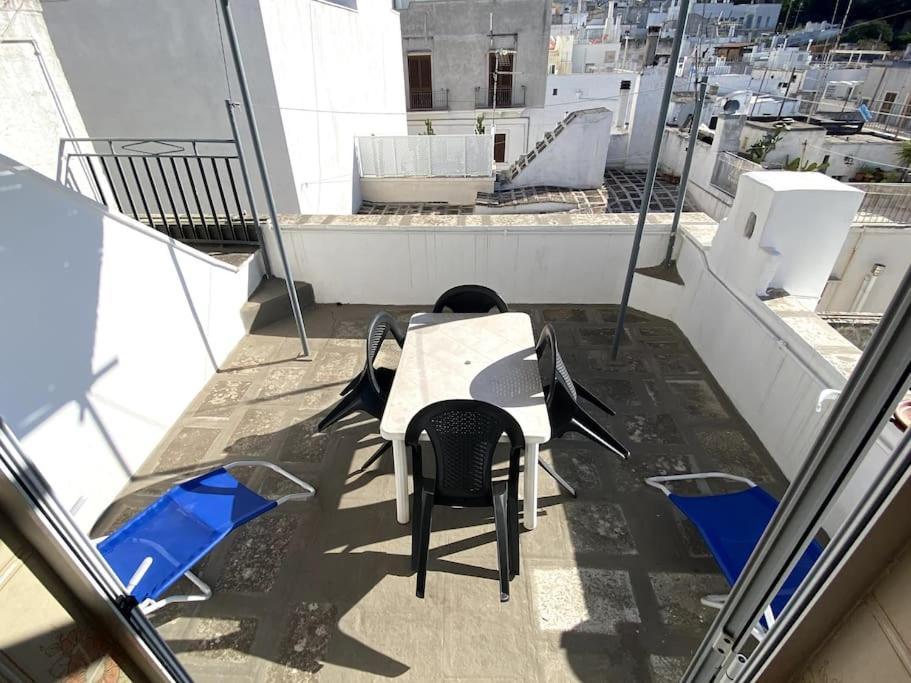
369, 390
464, 435
470, 299
562, 394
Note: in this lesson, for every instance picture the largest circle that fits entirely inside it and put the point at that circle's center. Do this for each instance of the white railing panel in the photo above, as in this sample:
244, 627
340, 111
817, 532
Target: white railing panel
405, 156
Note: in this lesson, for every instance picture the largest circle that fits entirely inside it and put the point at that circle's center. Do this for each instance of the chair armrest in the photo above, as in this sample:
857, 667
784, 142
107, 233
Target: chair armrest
655, 482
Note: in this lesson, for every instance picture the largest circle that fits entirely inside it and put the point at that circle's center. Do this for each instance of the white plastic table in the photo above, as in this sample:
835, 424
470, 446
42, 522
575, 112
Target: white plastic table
457, 356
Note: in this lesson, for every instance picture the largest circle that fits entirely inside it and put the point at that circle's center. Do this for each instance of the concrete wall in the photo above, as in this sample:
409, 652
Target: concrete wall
37, 108
874, 642
338, 75
580, 91
461, 191
113, 329
155, 68
645, 104
526, 258
513, 123
575, 158
456, 34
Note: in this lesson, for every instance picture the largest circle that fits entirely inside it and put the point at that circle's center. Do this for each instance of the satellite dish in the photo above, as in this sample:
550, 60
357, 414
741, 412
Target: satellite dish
731, 106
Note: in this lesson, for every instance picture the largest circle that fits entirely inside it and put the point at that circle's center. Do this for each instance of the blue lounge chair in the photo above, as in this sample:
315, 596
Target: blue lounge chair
731, 525
160, 544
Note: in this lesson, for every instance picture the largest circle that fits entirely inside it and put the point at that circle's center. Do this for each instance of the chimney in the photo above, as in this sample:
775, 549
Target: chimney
651, 44
623, 107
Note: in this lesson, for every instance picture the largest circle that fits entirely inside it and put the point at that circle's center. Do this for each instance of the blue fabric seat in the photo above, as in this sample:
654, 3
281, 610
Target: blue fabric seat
731, 525
182, 526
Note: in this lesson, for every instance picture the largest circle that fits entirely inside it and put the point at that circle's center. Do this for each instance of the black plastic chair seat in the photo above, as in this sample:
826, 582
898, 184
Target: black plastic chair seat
470, 299
464, 436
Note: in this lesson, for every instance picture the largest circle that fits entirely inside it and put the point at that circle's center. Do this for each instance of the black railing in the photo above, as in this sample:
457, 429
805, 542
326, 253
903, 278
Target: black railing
190, 189
428, 100
506, 97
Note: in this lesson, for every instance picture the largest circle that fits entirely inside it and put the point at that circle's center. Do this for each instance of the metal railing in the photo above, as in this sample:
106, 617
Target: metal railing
884, 204
728, 169
506, 97
428, 100
193, 190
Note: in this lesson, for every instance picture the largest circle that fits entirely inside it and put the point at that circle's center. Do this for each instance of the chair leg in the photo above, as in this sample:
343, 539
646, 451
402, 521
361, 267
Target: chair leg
416, 499
586, 425
560, 480
591, 398
350, 385
373, 458
502, 527
424, 548
512, 519
350, 403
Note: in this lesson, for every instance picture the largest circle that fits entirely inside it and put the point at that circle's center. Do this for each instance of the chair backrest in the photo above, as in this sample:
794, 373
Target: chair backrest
470, 299
380, 327
464, 434
554, 372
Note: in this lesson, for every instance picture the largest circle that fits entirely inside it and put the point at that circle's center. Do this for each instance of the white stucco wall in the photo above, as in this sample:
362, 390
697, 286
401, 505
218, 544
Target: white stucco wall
36, 108
644, 116
526, 258
338, 74
111, 330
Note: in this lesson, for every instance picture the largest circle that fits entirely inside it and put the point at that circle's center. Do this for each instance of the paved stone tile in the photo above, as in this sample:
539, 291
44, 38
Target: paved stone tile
678, 596
576, 315
477, 645
673, 358
337, 366
284, 384
307, 635
601, 337
658, 330
257, 434
255, 557
667, 669
630, 475
303, 443
224, 639
726, 450
657, 429
187, 448
618, 394
598, 527
583, 599
251, 356
222, 396
697, 397
613, 662
599, 362
577, 465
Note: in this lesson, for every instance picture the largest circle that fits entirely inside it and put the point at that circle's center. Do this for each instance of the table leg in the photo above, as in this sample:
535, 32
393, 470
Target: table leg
530, 504
400, 465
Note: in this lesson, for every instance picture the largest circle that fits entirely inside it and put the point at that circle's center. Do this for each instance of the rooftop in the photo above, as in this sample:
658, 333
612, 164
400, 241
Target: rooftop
609, 583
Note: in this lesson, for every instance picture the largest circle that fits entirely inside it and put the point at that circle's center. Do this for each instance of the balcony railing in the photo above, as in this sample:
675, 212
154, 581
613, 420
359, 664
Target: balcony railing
428, 100
728, 169
884, 204
505, 97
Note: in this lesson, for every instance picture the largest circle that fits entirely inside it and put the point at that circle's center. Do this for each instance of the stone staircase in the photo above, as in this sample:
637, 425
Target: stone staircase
576, 128
269, 302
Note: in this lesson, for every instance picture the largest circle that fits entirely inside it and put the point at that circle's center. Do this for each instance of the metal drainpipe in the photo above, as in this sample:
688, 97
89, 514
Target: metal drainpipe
685, 173
652, 172
264, 172
866, 287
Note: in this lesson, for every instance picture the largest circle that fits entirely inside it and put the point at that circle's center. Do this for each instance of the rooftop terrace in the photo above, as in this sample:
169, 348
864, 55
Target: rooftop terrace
610, 582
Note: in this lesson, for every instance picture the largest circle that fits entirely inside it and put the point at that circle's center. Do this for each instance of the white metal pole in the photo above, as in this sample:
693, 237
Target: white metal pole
264, 172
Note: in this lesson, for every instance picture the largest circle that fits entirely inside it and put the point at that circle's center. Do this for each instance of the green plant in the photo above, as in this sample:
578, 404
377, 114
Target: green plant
759, 150
479, 127
904, 158
878, 30
795, 165
428, 127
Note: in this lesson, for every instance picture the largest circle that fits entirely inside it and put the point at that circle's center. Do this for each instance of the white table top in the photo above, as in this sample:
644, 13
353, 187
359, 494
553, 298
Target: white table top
456, 356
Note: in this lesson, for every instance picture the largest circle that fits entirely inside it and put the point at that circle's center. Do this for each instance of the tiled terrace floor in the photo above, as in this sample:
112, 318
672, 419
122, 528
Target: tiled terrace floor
610, 583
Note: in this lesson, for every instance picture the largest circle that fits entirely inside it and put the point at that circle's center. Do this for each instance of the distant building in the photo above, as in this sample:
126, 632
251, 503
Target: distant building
465, 59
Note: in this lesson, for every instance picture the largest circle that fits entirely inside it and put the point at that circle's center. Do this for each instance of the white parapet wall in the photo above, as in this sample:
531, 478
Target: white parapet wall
552, 258
772, 357
110, 330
